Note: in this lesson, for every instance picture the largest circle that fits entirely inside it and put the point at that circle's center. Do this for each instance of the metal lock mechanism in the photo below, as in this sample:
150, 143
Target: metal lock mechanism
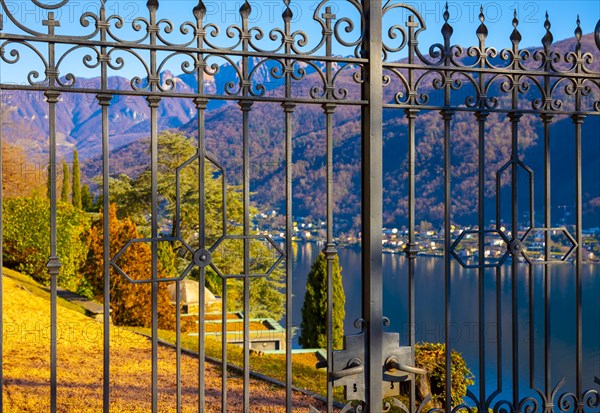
349, 369
398, 364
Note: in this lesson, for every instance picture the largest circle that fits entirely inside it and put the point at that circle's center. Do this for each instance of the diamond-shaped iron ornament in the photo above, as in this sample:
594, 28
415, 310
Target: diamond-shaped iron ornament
114, 261
562, 230
464, 233
223, 239
501, 171
178, 202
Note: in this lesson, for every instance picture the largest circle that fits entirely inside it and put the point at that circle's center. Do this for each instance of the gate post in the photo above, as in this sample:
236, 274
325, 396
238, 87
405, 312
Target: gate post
372, 203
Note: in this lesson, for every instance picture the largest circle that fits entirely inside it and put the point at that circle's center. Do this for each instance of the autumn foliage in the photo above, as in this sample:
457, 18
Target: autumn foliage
131, 304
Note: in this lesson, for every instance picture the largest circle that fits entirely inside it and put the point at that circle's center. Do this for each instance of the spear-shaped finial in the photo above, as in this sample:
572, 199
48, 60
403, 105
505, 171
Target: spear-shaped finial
287, 13
548, 38
447, 30
515, 36
578, 33
245, 10
200, 10
482, 31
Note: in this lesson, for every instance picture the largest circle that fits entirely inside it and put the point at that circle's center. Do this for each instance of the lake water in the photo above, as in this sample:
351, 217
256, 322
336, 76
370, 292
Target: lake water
430, 311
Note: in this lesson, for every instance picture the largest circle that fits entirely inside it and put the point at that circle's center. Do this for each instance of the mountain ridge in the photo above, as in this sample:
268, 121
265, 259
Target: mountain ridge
78, 126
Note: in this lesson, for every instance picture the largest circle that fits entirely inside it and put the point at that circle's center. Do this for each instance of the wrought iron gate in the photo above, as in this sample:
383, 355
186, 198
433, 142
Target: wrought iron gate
514, 82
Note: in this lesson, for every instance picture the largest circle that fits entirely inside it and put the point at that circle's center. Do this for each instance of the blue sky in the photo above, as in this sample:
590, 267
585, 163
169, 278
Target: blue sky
267, 14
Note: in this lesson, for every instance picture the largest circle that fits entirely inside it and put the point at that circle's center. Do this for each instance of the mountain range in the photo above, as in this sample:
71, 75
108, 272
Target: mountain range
79, 125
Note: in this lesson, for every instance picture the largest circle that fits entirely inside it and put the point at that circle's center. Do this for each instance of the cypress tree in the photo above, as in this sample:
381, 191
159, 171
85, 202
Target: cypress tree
48, 181
76, 181
87, 201
313, 330
64, 193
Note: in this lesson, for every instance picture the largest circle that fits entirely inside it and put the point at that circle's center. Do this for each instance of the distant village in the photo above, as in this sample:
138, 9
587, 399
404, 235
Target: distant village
465, 239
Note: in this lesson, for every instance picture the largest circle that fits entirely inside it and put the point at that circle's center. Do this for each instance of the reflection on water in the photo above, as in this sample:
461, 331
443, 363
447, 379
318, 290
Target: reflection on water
430, 310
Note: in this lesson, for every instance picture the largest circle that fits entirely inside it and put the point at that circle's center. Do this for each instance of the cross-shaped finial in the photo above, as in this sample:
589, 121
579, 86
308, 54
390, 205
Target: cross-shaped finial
51, 23
329, 15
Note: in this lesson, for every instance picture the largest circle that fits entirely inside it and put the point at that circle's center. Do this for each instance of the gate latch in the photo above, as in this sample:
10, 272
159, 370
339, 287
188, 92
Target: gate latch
398, 364
348, 367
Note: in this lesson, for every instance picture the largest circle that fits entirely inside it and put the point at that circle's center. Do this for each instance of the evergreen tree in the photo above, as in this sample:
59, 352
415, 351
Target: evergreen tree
87, 201
313, 330
76, 181
64, 194
133, 195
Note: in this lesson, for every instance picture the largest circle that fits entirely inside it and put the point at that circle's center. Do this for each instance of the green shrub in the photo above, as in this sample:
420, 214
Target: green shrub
432, 357
27, 239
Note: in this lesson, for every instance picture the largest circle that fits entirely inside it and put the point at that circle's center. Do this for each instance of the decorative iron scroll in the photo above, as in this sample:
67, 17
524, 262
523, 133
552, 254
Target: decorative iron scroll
200, 45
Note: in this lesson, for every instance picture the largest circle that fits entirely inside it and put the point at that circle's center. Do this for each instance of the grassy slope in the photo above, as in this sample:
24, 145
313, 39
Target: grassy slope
305, 375
26, 315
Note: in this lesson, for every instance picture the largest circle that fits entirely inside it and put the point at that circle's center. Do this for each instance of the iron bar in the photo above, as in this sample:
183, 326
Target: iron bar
329, 250
52, 98
578, 121
288, 108
246, 190
178, 346
201, 107
499, 278
224, 365
53, 263
412, 249
506, 71
481, 119
184, 49
246, 106
104, 102
372, 203
514, 119
300, 57
297, 100
201, 103
153, 103
547, 119
447, 114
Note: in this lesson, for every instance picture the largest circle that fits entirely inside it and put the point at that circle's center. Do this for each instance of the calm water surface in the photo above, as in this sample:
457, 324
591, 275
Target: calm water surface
430, 306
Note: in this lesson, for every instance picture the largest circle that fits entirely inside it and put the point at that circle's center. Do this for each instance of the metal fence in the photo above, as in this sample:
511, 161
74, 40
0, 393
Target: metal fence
515, 82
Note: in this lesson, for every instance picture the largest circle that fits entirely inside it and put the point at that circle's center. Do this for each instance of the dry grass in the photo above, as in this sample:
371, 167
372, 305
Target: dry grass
80, 365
